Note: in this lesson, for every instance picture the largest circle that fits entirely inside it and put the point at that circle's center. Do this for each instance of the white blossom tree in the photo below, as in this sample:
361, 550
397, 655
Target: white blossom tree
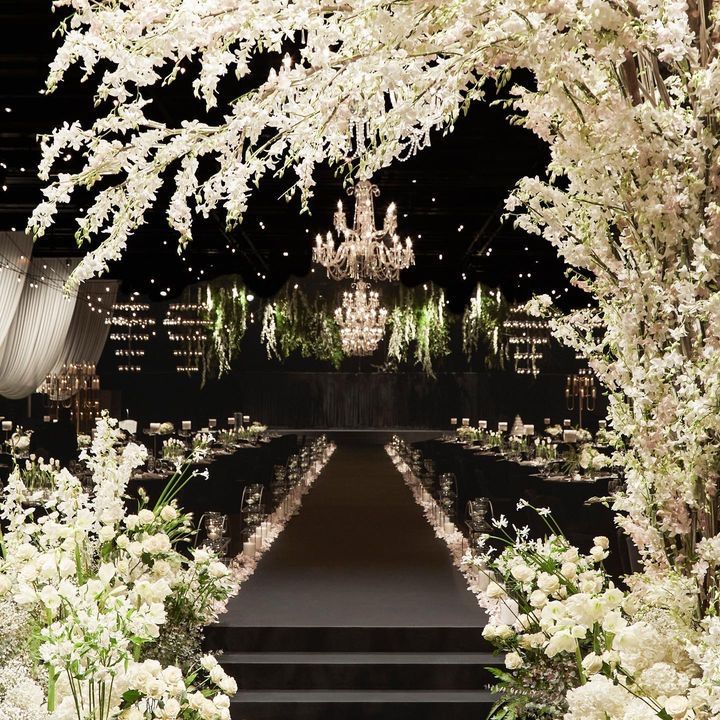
626, 95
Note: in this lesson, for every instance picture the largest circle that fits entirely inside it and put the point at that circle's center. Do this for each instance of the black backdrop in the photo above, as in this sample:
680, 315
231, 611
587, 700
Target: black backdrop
350, 400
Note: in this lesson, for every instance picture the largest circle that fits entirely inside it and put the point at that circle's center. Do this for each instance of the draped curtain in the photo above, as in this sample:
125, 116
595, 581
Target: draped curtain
89, 327
15, 249
36, 336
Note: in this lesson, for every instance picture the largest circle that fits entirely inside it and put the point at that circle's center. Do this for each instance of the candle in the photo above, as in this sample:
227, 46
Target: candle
246, 419
466, 422
502, 427
482, 424
46, 418
154, 426
529, 429
7, 425
546, 421
453, 421
249, 549
186, 424
566, 423
212, 423
569, 436
602, 424
231, 422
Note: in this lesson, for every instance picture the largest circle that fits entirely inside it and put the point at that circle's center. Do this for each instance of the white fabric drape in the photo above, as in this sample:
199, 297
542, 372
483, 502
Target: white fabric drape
15, 249
37, 333
88, 331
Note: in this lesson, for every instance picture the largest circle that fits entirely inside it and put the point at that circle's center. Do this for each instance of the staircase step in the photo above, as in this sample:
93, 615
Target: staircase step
360, 671
234, 638
362, 705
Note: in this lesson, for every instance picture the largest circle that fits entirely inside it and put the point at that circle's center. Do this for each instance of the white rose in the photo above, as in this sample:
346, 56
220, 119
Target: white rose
601, 541
592, 664
676, 706
222, 701
172, 674
568, 570
155, 544
171, 708
217, 674
522, 573
513, 661
131, 522
4, 584
597, 553
218, 570
168, 513
107, 532
228, 686
208, 662
145, 516
548, 583
495, 591
490, 632
504, 632
538, 598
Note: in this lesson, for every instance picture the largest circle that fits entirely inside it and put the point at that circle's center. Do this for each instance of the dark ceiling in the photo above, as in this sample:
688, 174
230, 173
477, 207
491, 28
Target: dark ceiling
449, 198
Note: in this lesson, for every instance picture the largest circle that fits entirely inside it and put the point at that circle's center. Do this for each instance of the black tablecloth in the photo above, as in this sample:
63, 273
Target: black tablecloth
505, 482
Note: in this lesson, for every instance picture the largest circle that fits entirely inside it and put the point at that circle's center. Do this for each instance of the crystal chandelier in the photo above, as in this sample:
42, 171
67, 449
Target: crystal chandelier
364, 251
361, 320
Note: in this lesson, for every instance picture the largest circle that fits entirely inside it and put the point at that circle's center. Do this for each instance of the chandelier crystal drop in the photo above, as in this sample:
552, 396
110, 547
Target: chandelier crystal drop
364, 251
361, 320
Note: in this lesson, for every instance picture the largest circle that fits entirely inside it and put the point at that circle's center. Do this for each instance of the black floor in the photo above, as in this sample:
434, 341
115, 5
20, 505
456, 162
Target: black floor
356, 609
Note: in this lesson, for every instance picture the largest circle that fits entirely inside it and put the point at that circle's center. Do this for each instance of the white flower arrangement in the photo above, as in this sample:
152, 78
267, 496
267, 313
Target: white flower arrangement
97, 587
626, 95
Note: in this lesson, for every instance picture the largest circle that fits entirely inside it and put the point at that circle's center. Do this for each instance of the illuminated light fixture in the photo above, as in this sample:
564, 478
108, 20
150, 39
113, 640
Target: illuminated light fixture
187, 328
527, 338
134, 323
364, 252
361, 320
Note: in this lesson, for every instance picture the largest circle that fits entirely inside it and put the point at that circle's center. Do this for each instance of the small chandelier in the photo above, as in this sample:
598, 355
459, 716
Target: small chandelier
527, 339
361, 320
364, 251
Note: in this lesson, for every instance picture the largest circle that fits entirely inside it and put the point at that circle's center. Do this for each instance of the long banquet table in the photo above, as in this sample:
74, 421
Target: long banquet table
228, 475
505, 482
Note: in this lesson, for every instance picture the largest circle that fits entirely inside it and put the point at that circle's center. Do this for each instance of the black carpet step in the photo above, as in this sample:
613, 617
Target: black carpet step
233, 638
360, 671
361, 705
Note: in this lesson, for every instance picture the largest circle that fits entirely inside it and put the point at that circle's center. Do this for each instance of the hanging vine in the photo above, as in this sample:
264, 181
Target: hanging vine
481, 324
295, 323
227, 316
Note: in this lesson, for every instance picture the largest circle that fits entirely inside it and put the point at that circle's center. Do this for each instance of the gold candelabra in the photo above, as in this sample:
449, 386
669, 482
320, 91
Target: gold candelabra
581, 393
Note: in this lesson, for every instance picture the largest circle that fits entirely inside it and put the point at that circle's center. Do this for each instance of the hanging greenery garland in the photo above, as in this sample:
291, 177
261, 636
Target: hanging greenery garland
481, 325
227, 316
293, 323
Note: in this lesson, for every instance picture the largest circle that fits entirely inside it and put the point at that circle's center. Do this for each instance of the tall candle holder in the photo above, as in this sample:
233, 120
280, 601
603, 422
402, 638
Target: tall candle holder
581, 393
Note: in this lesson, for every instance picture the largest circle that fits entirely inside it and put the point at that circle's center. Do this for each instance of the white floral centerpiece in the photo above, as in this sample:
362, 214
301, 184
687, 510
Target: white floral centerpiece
19, 442
99, 589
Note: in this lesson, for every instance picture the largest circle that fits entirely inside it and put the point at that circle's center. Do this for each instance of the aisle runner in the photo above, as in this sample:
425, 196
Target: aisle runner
244, 564
467, 563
